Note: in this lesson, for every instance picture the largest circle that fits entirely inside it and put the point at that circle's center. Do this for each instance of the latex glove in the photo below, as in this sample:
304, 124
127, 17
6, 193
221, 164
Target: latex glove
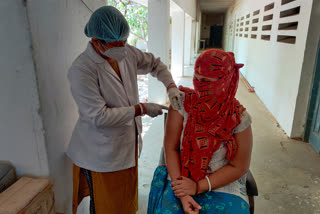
175, 97
184, 186
153, 109
189, 205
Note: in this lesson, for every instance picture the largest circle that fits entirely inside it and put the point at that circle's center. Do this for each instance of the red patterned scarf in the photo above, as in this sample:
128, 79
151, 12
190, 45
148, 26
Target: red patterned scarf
213, 112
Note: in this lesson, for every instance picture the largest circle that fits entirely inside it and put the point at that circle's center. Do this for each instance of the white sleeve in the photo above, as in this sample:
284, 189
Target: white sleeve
148, 63
245, 123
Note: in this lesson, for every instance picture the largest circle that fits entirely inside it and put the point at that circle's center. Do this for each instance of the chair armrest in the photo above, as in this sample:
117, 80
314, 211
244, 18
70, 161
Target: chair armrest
251, 185
162, 160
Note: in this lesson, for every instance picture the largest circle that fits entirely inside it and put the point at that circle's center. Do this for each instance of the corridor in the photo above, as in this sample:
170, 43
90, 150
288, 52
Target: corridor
276, 40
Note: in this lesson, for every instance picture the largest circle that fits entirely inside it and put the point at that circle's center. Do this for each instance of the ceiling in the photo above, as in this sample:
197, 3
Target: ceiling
143, 2
206, 6
215, 6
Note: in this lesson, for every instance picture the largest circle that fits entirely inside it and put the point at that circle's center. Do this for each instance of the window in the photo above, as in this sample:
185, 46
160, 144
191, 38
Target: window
290, 12
265, 37
266, 27
287, 39
269, 7
288, 26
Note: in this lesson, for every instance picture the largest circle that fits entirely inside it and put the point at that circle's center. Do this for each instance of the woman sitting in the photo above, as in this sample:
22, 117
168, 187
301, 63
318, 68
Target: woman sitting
207, 145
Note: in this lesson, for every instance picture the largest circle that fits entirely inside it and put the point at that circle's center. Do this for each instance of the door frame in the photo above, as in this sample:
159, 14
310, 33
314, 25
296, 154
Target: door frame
312, 99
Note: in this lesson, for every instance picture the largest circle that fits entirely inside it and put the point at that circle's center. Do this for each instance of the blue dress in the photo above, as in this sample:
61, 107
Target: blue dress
163, 201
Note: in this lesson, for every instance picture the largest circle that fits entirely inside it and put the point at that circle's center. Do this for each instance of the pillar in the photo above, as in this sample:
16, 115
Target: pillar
187, 40
158, 44
177, 46
193, 40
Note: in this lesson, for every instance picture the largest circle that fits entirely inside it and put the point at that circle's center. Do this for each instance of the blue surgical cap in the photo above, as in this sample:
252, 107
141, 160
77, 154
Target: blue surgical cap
107, 23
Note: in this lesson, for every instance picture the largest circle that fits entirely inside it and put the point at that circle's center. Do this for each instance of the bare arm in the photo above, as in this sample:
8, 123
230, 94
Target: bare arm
174, 125
236, 168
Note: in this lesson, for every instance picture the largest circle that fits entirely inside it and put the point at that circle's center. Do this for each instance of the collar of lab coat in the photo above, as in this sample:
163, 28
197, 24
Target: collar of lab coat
94, 55
99, 60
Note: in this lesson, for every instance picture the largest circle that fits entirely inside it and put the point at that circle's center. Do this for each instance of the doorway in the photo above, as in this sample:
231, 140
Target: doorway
216, 32
313, 122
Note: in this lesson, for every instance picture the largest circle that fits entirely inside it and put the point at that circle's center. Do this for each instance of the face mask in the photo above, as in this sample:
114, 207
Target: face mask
116, 53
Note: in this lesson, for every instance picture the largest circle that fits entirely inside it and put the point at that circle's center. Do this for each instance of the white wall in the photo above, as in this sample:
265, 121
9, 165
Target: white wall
57, 33
273, 68
189, 7
21, 131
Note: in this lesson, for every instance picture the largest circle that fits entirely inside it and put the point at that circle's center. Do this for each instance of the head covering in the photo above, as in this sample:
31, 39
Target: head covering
107, 23
213, 112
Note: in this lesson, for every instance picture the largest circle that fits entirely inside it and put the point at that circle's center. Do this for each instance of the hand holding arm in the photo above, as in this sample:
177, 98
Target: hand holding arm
175, 97
184, 186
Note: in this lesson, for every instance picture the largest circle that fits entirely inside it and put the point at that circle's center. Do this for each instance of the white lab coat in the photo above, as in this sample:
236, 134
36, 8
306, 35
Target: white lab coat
104, 137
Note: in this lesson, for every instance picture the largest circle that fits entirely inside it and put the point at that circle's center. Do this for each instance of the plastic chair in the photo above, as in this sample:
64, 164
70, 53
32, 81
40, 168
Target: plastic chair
251, 185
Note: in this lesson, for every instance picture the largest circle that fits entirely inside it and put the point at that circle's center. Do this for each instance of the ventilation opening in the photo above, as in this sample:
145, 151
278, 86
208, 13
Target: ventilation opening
248, 16
265, 37
290, 12
246, 35
269, 7
247, 29
247, 22
254, 28
241, 29
286, 1
237, 30
256, 12
266, 27
288, 26
242, 18
237, 20
241, 24
253, 36
236, 34
268, 17
287, 39
255, 20
237, 25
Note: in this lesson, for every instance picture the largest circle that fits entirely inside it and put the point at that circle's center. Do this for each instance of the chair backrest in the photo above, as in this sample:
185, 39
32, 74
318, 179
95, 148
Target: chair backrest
252, 189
